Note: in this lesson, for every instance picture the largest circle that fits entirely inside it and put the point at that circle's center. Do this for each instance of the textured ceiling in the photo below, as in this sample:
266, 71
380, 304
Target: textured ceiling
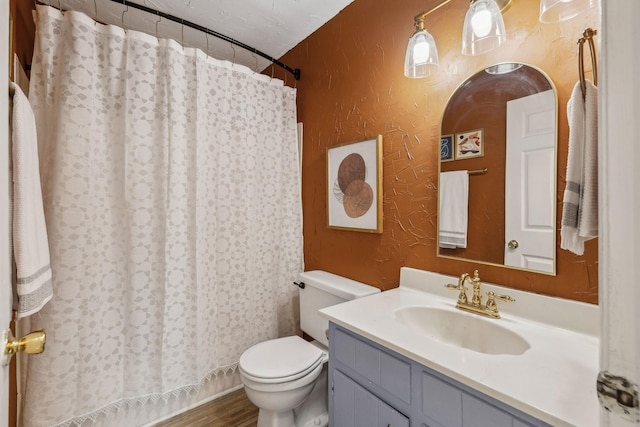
271, 26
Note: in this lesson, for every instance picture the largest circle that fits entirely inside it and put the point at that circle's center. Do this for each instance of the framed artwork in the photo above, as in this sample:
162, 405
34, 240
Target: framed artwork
469, 144
446, 148
354, 186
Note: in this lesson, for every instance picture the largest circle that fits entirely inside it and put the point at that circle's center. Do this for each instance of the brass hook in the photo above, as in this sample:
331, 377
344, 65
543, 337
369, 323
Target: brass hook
206, 37
273, 69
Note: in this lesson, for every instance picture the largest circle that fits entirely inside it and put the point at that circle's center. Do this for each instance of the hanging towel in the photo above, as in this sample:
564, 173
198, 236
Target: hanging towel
30, 243
454, 209
580, 201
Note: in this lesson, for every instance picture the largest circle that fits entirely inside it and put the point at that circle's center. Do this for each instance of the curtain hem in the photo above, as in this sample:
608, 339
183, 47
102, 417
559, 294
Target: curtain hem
129, 402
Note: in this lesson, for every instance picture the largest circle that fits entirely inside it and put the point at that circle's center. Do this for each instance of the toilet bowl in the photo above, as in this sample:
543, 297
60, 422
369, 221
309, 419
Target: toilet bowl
279, 375
286, 378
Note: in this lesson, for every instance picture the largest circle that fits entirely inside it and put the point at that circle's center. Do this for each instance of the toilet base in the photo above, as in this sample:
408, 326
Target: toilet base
268, 418
312, 412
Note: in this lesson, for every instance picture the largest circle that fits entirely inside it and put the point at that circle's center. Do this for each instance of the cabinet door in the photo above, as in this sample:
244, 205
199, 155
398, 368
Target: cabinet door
478, 413
353, 406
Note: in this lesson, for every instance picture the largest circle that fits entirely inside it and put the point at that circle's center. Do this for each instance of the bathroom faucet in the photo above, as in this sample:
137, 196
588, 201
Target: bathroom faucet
490, 309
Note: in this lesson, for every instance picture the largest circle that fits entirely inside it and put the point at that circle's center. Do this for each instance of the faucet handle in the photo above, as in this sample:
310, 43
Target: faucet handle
491, 305
505, 298
462, 296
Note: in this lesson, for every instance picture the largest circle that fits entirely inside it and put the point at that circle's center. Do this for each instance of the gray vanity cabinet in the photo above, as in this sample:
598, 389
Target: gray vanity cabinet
371, 386
360, 408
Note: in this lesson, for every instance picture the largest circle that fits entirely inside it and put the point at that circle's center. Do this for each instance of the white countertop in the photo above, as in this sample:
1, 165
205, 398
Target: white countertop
554, 380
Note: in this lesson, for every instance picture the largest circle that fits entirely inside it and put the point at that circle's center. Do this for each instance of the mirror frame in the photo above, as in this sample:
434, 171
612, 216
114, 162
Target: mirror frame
555, 183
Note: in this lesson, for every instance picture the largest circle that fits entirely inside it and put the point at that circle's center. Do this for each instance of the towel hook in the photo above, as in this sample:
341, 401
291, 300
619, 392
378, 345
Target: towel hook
587, 36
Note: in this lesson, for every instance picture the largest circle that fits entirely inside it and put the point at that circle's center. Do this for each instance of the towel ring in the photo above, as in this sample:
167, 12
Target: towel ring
587, 36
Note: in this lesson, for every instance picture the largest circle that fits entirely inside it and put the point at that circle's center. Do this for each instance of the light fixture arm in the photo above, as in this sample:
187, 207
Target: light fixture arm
419, 19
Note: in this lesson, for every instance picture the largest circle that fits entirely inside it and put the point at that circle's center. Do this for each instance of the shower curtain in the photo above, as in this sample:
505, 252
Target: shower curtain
172, 196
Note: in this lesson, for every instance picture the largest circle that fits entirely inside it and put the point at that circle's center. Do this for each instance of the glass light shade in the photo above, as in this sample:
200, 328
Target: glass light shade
483, 28
422, 55
552, 11
504, 68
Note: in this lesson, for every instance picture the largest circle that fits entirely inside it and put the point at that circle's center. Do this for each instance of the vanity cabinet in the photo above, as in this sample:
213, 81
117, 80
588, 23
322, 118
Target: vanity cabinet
371, 386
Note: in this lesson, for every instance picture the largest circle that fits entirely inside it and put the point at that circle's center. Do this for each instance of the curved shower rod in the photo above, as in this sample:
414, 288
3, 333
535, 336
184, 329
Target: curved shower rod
144, 8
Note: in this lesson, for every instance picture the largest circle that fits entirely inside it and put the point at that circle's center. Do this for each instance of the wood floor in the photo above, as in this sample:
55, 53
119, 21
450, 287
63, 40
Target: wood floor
231, 410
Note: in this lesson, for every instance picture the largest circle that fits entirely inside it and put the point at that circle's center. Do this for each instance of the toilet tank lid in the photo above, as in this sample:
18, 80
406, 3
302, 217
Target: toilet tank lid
337, 285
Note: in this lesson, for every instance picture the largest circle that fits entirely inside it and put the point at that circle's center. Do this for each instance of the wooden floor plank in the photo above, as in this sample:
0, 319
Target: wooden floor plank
231, 410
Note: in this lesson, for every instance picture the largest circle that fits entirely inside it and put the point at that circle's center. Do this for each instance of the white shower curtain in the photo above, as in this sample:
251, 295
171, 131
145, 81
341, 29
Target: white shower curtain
172, 196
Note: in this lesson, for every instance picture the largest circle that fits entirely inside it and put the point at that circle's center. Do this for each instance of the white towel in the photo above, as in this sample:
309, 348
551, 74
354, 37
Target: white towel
454, 209
30, 243
580, 201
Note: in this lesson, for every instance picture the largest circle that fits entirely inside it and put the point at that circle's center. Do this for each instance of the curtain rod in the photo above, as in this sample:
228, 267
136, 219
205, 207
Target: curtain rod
144, 8
295, 72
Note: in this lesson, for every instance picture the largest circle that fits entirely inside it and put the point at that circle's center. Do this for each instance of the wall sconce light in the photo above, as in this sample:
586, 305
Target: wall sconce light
483, 31
553, 11
483, 28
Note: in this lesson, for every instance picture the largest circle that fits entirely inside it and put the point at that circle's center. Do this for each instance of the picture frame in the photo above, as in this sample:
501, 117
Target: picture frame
469, 144
447, 153
354, 186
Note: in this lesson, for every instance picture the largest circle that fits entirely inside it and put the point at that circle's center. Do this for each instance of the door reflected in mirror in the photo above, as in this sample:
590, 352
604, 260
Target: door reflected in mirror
500, 126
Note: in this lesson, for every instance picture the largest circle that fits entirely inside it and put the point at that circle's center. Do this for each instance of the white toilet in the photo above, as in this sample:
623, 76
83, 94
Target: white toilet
287, 377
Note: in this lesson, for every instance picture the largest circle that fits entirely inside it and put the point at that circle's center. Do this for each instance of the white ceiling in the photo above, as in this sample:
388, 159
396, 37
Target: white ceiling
271, 26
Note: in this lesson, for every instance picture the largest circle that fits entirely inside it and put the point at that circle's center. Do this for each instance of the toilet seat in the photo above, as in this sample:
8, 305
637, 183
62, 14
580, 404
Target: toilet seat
280, 360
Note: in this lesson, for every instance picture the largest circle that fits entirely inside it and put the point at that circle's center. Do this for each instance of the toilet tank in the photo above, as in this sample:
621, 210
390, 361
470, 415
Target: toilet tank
323, 289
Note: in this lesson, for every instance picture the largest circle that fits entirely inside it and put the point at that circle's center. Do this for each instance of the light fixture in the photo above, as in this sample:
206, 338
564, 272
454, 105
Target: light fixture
483, 28
503, 68
422, 54
486, 32
552, 11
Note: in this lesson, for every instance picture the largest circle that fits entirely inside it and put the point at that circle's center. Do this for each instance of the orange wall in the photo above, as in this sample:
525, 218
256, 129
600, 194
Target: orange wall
352, 87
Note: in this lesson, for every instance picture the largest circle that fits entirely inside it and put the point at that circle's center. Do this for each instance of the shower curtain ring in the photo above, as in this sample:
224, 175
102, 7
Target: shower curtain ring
182, 23
233, 60
124, 2
95, 9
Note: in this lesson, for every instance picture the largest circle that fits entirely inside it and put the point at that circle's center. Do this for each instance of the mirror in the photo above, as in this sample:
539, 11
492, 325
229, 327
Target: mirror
499, 129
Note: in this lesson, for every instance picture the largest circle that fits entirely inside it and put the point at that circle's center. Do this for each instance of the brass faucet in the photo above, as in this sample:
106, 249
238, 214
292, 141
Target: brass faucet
490, 309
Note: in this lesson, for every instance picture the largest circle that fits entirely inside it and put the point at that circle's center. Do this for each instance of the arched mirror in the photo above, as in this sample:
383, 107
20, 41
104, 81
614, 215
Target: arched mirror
498, 160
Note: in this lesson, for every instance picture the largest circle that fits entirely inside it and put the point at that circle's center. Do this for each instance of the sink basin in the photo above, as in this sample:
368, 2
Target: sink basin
462, 329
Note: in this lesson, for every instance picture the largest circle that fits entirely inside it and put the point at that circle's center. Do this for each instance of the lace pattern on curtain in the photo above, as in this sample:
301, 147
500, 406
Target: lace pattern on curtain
172, 198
